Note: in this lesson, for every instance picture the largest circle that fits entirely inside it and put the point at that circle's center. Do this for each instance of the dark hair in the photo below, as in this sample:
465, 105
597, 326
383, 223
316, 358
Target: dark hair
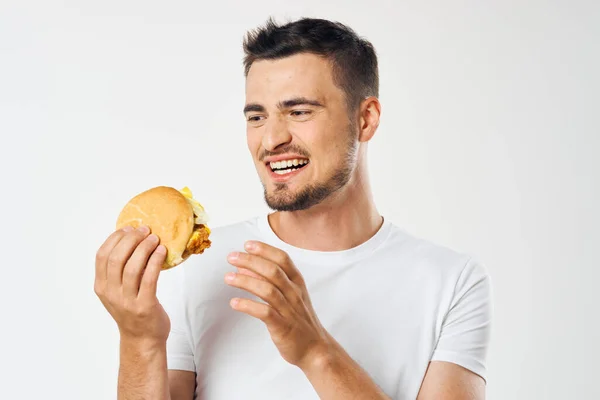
353, 59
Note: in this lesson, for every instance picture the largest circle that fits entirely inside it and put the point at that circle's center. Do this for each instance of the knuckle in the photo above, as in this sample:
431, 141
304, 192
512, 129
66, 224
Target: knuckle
273, 271
98, 289
141, 311
101, 255
115, 259
133, 307
303, 292
131, 269
130, 306
270, 292
266, 312
284, 258
298, 299
111, 298
149, 280
298, 302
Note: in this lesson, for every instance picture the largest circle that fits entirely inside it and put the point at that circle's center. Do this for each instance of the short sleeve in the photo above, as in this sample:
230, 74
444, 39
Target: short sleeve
171, 294
465, 332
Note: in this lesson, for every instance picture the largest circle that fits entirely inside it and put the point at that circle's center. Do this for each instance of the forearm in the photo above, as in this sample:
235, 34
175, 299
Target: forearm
335, 375
143, 371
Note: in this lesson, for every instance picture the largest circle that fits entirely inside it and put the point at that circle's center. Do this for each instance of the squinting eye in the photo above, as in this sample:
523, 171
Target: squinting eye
254, 118
300, 113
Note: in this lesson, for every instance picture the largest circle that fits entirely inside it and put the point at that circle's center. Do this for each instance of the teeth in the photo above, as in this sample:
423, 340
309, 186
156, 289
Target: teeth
287, 163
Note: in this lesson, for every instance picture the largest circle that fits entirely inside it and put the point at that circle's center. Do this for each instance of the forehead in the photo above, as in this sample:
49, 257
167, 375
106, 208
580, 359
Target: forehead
305, 75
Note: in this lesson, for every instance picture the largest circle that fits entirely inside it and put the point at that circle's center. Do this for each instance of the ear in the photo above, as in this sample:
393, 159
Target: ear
370, 112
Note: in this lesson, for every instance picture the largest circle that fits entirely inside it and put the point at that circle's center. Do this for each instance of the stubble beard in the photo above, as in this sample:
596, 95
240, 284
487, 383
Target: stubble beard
282, 199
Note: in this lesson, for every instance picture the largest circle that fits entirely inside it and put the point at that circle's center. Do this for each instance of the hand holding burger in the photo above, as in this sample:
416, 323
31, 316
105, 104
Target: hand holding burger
156, 230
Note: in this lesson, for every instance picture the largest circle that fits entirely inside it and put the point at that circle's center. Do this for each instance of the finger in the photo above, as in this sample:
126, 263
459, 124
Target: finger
151, 273
261, 288
249, 273
134, 268
262, 311
276, 256
121, 253
266, 269
104, 252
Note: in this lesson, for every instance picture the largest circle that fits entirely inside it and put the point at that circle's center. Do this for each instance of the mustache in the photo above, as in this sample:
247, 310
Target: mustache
283, 150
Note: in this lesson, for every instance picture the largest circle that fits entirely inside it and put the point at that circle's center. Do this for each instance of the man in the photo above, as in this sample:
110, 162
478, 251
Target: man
323, 298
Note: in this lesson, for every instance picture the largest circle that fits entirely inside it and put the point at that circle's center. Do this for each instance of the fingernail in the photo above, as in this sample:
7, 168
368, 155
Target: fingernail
234, 255
128, 228
144, 229
250, 245
229, 276
153, 238
161, 249
234, 302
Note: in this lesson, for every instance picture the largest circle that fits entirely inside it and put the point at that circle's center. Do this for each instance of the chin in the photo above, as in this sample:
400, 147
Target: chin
282, 198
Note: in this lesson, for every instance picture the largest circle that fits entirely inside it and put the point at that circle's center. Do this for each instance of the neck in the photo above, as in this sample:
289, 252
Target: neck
344, 220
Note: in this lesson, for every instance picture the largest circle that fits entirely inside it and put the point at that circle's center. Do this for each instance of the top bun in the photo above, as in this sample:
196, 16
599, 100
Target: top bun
168, 214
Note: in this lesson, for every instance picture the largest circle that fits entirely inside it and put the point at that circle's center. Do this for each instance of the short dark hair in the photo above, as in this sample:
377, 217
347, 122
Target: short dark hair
353, 59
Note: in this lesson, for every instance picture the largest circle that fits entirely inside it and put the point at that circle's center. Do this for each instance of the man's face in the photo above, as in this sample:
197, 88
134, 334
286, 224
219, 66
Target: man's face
299, 134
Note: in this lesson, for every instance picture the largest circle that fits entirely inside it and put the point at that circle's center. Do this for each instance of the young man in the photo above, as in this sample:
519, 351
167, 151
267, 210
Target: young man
324, 298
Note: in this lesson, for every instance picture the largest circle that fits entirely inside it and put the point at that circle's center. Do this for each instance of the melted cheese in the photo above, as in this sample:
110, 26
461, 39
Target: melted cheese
201, 217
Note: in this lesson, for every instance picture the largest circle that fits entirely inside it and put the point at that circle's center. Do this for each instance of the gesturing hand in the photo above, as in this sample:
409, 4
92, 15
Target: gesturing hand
288, 312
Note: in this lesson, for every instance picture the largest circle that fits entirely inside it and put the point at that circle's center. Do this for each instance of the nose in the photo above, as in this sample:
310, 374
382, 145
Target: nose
275, 134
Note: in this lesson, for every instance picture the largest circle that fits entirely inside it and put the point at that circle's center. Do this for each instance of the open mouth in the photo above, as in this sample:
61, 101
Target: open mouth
287, 166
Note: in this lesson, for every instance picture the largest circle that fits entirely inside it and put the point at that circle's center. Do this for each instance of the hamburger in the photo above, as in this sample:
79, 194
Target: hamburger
174, 216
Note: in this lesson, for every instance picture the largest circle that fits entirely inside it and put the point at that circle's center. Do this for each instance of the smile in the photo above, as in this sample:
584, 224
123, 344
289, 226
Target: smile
285, 167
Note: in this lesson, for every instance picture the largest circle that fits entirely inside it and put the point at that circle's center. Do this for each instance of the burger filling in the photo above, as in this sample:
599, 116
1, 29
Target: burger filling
199, 240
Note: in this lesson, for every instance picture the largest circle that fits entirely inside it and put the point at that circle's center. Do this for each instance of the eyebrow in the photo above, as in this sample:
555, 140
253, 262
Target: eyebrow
297, 101
253, 107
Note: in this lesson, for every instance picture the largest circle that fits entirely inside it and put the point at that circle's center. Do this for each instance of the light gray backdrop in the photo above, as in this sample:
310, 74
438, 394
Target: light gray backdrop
488, 144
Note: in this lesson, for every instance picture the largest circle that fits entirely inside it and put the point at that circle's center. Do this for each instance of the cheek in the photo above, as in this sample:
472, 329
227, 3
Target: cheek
324, 145
253, 141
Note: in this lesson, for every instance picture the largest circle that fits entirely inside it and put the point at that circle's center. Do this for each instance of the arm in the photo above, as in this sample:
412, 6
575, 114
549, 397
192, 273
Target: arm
182, 384
335, 375
143, 371
143, 374
128, 265
457, 368
448, 381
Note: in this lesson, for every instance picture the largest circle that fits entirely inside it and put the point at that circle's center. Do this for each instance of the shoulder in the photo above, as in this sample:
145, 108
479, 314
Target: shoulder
434, 259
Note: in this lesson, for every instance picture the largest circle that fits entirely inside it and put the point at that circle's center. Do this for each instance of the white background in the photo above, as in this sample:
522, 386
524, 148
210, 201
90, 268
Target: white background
488, 144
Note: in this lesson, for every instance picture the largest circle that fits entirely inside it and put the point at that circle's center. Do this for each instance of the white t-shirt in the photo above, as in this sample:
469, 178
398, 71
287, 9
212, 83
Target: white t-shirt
394, 303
